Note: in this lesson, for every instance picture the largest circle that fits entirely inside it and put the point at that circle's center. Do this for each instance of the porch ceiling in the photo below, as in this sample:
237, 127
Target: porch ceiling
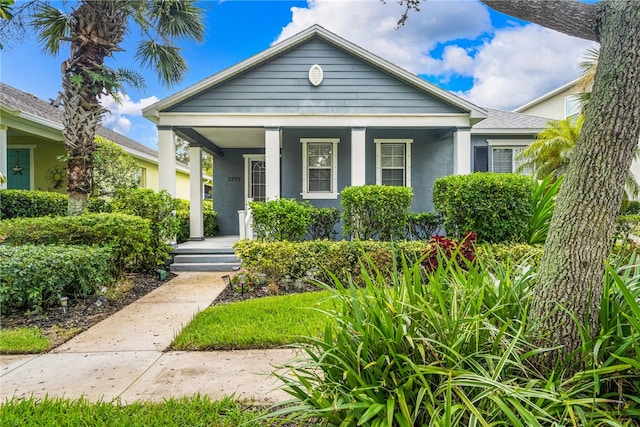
233, 137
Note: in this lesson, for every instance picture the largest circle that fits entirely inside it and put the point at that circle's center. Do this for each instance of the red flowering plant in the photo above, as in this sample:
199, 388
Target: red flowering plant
443, 248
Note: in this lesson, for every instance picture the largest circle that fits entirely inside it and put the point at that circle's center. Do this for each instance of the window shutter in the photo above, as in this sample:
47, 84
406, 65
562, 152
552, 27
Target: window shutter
481, 159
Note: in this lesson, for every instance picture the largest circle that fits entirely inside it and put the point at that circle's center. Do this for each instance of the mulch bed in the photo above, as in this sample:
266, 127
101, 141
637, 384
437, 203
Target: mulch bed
232, 294
81, 314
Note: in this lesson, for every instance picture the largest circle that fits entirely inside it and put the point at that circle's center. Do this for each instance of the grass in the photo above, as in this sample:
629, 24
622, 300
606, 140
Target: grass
23, 341
257, 323
192, 411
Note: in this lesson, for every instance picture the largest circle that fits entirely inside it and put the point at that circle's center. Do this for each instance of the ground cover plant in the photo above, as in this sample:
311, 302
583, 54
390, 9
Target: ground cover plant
267, 322
454, 347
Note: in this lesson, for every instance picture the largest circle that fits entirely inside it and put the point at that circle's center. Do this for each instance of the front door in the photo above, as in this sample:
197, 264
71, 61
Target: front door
19, 168
255, 178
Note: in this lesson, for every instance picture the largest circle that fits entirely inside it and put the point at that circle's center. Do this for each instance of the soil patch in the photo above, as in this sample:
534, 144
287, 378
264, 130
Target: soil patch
60, 325
234, 294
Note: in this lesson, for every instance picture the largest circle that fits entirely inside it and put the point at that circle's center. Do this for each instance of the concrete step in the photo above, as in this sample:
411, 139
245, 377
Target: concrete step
205, 258
205, 266
180, 251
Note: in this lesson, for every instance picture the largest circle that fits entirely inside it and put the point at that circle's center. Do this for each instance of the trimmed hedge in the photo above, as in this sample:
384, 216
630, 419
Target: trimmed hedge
375, 211
496, 206
159, 209
35, 277
281, 219
422, 225
31, 204
323, 223
128, 236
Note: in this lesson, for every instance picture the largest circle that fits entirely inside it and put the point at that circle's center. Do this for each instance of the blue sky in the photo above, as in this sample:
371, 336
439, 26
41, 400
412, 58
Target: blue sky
489, 58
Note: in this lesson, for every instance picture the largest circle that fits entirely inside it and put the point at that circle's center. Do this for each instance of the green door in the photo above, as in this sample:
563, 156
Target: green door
19, 168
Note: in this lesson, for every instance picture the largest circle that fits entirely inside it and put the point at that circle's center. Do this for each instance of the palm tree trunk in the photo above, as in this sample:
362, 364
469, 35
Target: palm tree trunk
98, 29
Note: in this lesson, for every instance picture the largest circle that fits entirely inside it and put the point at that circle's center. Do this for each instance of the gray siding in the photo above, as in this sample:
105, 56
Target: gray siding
282, 86
228, 196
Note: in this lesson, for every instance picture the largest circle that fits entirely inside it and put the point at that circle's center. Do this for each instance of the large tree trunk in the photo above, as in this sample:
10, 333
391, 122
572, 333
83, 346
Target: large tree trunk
581, 231
97, 31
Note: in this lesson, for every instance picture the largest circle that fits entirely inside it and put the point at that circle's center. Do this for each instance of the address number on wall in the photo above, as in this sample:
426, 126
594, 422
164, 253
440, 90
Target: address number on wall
233, 178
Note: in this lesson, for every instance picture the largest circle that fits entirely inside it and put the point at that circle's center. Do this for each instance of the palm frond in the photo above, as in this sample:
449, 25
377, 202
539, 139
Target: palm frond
166, 60
53, 25
177, 18
127, 76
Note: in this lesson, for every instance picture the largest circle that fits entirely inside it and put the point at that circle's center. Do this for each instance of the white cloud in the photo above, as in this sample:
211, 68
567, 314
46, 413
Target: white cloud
116, 118
371, 24
521, 63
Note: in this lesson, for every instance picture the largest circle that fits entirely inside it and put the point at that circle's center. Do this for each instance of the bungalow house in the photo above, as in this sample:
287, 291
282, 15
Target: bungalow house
316, 113
31, 139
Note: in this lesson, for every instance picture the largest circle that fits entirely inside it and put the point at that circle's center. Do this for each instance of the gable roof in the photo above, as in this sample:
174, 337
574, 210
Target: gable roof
547, 95
315, 31
32, 108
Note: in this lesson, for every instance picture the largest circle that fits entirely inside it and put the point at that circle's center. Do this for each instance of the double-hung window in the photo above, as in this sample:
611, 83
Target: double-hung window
319, 168
505, 157
393, 162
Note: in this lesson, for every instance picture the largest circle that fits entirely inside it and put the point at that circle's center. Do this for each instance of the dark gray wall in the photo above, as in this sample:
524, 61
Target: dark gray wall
481, 141
228, 195
282, 85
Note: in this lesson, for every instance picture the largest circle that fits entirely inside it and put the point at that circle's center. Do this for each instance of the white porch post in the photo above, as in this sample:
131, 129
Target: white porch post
358, 168
195, 194
462, 151
272, 162
167, 160
3, 155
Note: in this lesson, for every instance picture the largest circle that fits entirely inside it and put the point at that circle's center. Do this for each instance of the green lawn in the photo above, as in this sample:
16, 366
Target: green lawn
23, 341
257, 323
194, 411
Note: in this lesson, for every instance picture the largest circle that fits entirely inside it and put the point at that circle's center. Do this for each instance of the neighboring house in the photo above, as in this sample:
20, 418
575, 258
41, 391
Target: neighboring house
31, 140
561, 103
316, 113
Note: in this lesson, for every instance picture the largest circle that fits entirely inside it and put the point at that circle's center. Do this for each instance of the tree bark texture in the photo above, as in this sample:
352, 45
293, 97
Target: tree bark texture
581, 231
98, 29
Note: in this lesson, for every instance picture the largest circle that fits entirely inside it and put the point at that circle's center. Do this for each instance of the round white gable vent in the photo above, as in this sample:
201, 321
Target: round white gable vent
316, 75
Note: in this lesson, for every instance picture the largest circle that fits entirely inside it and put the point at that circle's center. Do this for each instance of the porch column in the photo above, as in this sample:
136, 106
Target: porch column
3, 156
462, 151
195, 194
167, 160
358, 167
272, 162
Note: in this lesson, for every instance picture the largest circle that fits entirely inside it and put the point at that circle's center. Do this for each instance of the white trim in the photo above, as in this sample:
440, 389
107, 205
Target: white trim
3, 157
573, 97
316, 75
247, 174
462, 152
196, 220
31, 148
505, 131
358, 156
507, 143
310, 120
333, 194
167, 161
547, 95
272, 162
407, 158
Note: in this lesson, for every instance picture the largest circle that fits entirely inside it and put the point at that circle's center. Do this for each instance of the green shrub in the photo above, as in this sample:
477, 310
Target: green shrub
544, 202
35, 277
511, 253
496, 206
375, 211
209, 217
422, 225
454, 348
159, 209
127, 235
31, 204
323, 223
631, 208
281, 219
97, 205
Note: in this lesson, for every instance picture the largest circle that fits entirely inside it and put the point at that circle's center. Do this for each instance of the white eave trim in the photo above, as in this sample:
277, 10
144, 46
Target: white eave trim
547, 95
503, 131
152, 112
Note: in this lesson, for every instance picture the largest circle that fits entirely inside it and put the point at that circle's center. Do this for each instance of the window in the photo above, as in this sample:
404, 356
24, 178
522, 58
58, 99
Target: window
505, 155
506, 160
572, 106
393, 162
319, 168
141, 177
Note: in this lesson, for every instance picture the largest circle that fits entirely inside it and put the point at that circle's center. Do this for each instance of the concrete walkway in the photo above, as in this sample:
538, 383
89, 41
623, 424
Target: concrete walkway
122, 357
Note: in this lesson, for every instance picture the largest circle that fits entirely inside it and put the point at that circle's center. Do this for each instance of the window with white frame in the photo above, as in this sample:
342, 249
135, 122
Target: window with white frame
572, 105
505, 157
393, 162
320, 168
